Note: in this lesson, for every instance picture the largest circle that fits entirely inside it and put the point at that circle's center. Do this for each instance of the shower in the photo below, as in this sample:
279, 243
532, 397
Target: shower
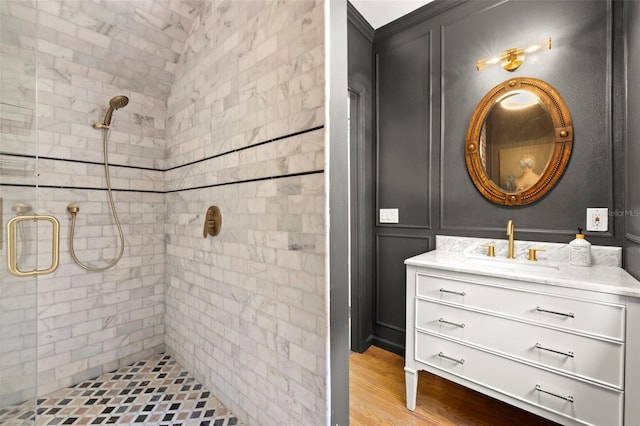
115, 103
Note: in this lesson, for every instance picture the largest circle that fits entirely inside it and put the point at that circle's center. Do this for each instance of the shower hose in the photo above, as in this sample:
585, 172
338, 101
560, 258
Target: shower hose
73, 209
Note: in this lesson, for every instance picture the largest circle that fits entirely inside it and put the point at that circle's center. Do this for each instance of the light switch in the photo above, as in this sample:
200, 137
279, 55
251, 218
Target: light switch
597, 219
389, 215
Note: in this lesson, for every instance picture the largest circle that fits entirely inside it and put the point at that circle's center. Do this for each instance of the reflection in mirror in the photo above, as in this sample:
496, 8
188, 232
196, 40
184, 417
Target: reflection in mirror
519, 141
516, 141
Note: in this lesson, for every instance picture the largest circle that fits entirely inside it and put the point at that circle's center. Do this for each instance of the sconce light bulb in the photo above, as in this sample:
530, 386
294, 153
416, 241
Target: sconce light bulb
483, 63
544, 44
532, 49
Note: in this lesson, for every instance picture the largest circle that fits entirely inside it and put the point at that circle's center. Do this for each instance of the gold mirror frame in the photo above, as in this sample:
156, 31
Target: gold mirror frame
559, 114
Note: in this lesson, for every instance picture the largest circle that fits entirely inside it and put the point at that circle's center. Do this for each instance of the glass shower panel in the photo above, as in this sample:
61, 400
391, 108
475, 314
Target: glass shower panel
18, 154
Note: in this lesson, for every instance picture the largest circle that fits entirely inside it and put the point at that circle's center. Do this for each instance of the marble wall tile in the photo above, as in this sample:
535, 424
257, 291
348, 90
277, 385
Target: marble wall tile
301, 153
95, 54
266, 111
246, 309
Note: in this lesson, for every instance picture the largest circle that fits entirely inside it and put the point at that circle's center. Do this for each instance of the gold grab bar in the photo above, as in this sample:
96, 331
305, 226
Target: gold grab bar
12, 252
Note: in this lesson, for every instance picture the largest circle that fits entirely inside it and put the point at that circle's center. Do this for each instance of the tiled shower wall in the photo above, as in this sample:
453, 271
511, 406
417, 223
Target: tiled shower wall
87, 52
245, 311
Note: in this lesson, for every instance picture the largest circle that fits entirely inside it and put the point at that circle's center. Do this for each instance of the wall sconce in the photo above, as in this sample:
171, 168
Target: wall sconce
511, 59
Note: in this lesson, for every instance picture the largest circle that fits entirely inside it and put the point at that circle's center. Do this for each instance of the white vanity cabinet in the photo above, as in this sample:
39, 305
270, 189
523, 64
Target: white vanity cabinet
565, 351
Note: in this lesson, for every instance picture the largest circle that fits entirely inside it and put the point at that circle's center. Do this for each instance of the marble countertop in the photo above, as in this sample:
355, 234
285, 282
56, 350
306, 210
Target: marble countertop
605, 279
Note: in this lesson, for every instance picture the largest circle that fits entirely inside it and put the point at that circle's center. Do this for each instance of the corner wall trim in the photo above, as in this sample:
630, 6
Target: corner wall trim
359, 22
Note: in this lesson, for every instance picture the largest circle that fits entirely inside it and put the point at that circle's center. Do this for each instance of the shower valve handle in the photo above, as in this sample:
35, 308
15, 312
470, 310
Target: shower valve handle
212, 222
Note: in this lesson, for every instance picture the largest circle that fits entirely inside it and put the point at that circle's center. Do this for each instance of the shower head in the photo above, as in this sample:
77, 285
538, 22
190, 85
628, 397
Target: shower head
116, 102
119, 101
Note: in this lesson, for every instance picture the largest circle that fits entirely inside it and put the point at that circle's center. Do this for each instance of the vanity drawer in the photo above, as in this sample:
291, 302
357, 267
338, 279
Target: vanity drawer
589, 403
591, 358
597, 318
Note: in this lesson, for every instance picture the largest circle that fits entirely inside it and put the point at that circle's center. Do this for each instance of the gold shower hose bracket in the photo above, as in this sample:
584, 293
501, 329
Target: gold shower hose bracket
12, 247
212, 222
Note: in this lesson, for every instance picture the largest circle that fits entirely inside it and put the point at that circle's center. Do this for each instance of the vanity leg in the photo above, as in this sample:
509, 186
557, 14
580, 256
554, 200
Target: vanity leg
411, 384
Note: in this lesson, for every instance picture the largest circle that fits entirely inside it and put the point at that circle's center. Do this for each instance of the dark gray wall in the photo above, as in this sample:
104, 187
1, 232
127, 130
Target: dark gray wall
427, 88
577, 66
403, 175
632, 207
360, 39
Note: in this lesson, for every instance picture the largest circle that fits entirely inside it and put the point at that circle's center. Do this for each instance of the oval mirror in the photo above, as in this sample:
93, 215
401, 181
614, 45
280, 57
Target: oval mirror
518, 141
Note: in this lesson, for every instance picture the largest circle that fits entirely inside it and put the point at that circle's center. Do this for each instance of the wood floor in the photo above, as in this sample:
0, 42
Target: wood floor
377, 397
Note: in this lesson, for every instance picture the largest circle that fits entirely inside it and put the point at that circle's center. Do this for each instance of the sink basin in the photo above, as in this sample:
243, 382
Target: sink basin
515, 265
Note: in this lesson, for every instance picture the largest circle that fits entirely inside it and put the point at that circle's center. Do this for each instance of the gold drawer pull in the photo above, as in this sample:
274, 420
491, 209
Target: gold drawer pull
566, 398
459, 361
459, 293
442, 320
539, 346
570, 314
12, 252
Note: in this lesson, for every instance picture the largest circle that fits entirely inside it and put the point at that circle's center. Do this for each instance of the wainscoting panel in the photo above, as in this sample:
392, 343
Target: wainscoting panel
403, 80
390, 292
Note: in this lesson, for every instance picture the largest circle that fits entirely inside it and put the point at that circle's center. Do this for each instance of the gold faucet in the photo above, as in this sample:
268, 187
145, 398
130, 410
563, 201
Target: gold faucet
511, 230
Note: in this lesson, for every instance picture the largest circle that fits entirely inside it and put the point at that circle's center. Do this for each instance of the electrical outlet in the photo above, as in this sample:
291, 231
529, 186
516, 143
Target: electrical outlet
597, 219
388, 215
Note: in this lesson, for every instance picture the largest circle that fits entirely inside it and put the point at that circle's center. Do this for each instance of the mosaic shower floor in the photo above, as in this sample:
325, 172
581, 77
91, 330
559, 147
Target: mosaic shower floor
155, 392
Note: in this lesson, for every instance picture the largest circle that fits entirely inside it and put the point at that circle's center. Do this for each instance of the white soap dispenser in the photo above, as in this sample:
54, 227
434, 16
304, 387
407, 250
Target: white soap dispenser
580, 250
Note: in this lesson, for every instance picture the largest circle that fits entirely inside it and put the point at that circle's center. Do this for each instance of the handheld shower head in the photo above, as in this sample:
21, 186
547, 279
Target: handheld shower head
116, 102
119, 101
